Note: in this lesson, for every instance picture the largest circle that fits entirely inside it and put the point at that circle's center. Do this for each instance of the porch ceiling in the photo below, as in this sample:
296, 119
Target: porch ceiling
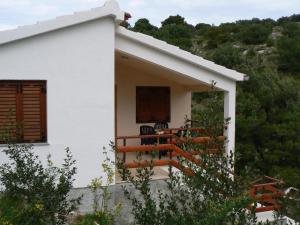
126, 60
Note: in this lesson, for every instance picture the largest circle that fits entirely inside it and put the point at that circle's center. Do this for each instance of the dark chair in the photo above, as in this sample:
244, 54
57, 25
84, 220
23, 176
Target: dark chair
161, 125
162, 140
181, 133
147, 130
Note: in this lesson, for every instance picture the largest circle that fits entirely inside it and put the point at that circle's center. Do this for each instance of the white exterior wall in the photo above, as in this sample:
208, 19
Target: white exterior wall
127, 78
78, 64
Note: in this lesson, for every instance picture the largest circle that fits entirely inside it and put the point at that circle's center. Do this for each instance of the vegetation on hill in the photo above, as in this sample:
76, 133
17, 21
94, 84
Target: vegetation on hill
268, 105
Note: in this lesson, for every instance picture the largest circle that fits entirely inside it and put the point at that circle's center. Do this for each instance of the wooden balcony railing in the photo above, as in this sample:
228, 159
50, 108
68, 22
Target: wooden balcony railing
267, 193
174, 151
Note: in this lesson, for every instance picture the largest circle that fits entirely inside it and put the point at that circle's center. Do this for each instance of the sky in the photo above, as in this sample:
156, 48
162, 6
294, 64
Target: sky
15, 13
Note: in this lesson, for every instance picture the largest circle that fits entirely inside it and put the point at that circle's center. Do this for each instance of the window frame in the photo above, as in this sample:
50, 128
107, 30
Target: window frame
19, 108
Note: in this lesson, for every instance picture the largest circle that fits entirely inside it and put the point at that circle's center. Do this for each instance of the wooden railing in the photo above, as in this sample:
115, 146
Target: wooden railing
267, 194
173, 150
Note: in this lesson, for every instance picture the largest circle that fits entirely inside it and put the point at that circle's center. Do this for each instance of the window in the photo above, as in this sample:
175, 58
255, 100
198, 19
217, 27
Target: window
23, 111
152, 104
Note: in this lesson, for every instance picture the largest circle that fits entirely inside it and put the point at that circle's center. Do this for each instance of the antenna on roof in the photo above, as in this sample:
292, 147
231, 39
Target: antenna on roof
127, 16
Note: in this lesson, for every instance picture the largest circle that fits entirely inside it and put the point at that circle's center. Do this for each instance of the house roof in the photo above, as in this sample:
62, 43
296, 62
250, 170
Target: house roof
111, 9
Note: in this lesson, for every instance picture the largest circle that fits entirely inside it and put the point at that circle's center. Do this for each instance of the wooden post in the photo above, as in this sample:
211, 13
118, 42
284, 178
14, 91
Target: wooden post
170, 157
124, 159
159, 154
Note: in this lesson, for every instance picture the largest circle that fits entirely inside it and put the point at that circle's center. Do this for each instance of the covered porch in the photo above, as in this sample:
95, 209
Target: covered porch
149, 94
154, 83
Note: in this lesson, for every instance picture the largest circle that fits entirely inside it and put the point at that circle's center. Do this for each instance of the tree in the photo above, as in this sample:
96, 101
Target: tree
143, 25
176, 31
179, 35
174, 20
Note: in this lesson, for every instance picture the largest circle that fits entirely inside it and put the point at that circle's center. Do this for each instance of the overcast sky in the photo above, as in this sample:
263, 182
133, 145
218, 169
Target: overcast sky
21, 12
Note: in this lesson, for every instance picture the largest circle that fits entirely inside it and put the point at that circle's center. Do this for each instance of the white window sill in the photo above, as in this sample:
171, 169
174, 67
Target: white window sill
34, 144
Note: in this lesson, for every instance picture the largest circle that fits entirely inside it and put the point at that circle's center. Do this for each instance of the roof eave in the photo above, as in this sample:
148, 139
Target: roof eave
183, 55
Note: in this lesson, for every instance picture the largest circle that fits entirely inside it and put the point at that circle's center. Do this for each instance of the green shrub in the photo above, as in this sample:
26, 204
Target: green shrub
202, 28
228, 56
255, 33
289, 49
33, 194
216, 36
270, 42
95, 218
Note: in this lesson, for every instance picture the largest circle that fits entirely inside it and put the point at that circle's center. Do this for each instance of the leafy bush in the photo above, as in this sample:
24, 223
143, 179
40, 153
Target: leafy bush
204, 198
95, 218
228, 56
33, 194
289, 48
216, 36
202, 28
255, 33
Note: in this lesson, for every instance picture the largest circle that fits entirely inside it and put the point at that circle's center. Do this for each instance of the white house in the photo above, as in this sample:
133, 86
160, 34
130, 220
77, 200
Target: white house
73, 82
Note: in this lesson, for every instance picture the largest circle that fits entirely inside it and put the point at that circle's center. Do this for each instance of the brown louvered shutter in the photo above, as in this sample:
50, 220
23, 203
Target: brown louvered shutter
23, 110
8, 111
152, 104
34, 111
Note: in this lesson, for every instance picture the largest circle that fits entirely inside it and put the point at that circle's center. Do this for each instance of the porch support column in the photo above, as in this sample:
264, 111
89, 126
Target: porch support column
229, 113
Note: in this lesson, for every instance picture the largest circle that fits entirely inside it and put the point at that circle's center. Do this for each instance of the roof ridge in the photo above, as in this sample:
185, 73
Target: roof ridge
110, 8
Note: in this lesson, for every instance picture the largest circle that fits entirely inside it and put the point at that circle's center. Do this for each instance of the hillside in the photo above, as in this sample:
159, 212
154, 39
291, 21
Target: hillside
268, 105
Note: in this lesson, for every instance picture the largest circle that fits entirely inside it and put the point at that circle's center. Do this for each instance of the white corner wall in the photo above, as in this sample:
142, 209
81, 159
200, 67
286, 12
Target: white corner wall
78, 64
127, 78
